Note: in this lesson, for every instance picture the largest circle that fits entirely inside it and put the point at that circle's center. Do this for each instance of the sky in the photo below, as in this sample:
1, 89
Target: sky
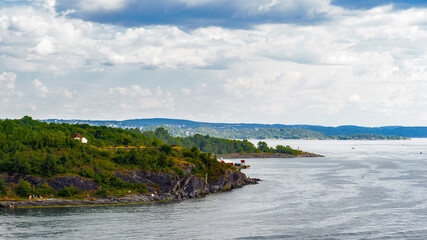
321, 62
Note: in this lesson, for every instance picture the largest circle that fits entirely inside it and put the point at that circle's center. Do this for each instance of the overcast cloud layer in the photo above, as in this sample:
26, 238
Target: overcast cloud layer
267, 61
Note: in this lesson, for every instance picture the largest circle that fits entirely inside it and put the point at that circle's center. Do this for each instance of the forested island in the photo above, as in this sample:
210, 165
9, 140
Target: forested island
223, 146
269, 133
42, 164
183, 128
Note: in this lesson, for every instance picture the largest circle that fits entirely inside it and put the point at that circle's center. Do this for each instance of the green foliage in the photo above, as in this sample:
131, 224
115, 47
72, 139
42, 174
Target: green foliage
101, 193
287, 149
119, 183
31, 147
244, 133
69, 192
311, 132
87, 172
216, 145
361, 136
141, 188
263, 147
49, 166
167, 149
204, 143
38, 148
23, 188
3, 188
43, 190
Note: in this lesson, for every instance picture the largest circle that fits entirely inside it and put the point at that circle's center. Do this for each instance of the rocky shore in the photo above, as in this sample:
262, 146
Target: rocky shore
267, 155
161, 187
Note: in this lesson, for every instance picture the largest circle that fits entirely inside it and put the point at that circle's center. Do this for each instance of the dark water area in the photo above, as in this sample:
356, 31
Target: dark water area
360, 190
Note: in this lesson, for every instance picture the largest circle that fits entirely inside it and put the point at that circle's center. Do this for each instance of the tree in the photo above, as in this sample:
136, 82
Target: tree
263, 146
49, 166
23, 188
167, 149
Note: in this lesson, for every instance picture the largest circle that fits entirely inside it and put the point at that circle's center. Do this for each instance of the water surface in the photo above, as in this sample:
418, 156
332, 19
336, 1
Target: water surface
360, 190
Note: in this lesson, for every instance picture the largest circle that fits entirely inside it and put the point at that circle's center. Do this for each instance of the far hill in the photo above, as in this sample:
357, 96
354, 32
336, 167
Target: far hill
291, 131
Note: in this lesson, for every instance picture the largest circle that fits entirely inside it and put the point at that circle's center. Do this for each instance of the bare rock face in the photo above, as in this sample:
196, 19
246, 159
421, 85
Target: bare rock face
185, 187
162, 186
56, 183
76, 181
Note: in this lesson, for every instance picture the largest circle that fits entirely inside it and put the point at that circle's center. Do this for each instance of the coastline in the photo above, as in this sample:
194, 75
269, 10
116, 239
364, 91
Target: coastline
113, 200
266, 155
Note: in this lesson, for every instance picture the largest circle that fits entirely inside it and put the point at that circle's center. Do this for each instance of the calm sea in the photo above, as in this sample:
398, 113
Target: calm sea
360, 190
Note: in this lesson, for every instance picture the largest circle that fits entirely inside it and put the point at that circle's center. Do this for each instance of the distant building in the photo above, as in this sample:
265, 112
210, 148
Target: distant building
80, 137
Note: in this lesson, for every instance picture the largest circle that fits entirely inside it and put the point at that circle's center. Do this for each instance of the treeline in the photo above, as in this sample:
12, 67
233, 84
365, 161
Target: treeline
247, 133
267, 133
218, 145
362, 136
36, 148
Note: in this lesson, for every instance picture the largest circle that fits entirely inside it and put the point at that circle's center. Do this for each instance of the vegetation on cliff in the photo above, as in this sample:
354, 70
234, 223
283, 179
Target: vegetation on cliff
29, 147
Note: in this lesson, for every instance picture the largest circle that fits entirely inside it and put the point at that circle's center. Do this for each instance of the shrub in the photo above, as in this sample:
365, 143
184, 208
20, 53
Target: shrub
23, 188
167, 149
43, 190
101, 193
87, 172
3, 187
119, 183
49, 166
69, 192
142, 188
105, 153
178, 171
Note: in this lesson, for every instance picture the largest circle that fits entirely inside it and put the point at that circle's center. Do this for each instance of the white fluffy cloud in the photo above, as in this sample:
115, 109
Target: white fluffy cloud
136, 98
40, 88
7, 87
7, 80
45, 47
354, 37
372, 61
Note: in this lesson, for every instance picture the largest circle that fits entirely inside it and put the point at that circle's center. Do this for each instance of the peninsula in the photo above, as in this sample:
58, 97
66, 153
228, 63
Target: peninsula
50, 164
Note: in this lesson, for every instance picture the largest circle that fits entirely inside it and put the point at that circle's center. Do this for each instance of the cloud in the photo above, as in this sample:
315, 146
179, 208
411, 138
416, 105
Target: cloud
48, 5
7, 80
336, 64
41, 89
354, 98
186, 91
69, 94
45, 47
369, 4
7, 86
60, 44
30, 36
134, 91
136, 98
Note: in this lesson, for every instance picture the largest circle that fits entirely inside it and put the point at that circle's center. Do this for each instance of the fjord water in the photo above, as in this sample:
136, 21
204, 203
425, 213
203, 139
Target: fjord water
360, 190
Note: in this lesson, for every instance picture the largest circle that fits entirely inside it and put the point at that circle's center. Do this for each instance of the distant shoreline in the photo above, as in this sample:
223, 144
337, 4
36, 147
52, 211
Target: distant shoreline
266, 155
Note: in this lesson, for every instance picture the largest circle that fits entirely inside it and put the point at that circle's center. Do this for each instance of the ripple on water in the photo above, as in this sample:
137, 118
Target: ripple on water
374, 191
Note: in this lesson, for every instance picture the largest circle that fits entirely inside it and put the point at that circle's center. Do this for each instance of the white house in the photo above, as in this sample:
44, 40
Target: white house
80, 137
